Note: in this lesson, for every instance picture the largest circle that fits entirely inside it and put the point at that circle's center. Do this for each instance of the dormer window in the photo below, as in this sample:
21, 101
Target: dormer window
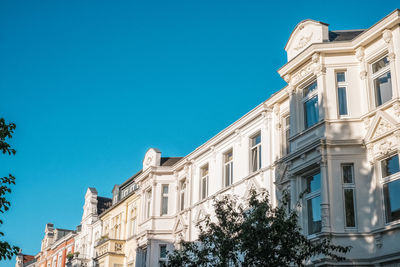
382, 81
310, 104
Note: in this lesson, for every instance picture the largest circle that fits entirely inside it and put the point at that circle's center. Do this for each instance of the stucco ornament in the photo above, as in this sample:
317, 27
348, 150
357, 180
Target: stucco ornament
303, 41
384, 147
382, 128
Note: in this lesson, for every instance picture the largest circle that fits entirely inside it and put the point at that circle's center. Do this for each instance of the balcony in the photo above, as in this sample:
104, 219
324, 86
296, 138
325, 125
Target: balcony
109, 246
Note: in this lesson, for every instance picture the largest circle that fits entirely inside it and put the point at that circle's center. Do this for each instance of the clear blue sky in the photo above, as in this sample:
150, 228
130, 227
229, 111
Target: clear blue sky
92, 85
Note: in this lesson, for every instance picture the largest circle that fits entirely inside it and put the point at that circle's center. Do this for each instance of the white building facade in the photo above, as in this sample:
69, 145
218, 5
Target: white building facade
333, 132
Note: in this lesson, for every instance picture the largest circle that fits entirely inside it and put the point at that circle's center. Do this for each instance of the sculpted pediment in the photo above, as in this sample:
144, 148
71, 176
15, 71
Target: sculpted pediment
180, 224
304, 34
152, 158
382, 124
252, 184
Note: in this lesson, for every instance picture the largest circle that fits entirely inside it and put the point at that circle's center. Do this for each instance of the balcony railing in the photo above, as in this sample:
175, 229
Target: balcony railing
107, 245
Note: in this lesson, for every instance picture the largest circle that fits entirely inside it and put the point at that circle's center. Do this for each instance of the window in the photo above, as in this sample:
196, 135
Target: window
228, 168
341, 86
182, 190
349, 194
255, 152
133, 222
313, 200
310, 103
204, 181
390, 166
286, 134
164, 199
163, 255
148, 204
391, 187
382, 81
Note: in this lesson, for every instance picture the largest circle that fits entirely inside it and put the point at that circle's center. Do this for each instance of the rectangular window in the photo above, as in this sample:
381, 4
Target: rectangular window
164, 199
133, 226
255, 153
349, 194
390, 166
313, 199
163, 255
286, 133
204, 181
182, 192
148, 204
382, 81
391, 193
341, 86
310, 100
228, 168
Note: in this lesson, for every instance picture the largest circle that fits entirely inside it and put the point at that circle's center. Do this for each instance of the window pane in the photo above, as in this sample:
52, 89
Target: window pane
254, 159
314, 183
349, 207
383, 88
314, 215
380, 64
340, 77
256, 140
227, 175
390, 166
165, 189
391, 193
347, 173
228, 156
311, 110
163, 251
204, 188
164, 205
312, 87
342, 101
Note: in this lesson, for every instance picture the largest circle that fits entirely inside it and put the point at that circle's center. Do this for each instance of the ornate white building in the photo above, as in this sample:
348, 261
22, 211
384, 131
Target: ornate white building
333, 132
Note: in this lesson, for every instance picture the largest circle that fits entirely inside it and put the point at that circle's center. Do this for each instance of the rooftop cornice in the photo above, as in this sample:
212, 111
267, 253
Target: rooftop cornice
388, 22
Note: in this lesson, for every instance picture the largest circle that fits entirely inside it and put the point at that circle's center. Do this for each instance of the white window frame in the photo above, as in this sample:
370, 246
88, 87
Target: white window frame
376, 75
148, 203
387, 180
257, 147
342, 85
164, 197
133, 223
204, 174
182, 194
162, 260
308, 97
349, 186
228, 164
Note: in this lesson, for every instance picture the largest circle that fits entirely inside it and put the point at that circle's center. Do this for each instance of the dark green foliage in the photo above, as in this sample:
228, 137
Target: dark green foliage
6, 130
254, 234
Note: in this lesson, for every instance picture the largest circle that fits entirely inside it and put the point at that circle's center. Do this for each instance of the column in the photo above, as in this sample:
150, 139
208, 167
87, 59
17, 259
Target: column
325, 211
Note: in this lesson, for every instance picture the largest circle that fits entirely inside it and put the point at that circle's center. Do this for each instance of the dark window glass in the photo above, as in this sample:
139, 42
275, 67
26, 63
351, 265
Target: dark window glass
383, 88
312, 87
314, 215
311, 112
391, 192
390, 166
340, 77
314, 183
342, 97
349, 207
347, 173
380, 64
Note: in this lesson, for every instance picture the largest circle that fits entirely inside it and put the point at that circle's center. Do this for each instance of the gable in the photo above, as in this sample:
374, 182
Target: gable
252, 184
382, 124
304, 34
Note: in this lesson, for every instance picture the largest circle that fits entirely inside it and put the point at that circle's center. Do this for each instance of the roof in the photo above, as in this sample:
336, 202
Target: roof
26, 258
103, 203
169, 161
336, 36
